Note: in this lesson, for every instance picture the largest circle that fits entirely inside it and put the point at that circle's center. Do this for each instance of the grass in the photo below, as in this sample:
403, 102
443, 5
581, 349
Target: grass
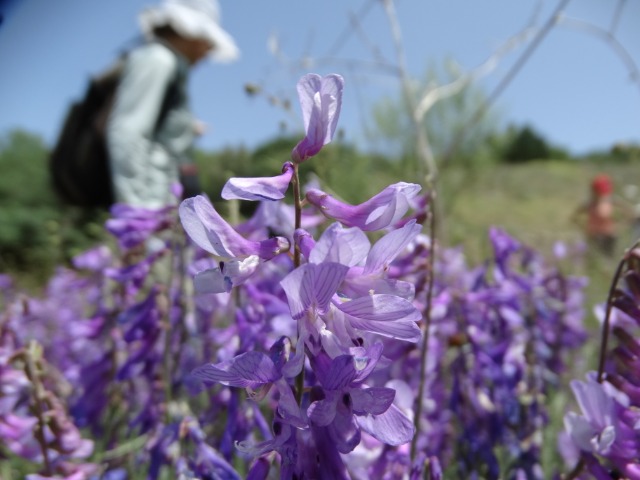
533, 202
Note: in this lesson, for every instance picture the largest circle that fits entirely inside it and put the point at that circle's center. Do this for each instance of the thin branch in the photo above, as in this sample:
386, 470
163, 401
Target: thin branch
425, 154
385, 68
348, 31
616, 16
434, 95
608, 37
427, 325
511, 74
375, 50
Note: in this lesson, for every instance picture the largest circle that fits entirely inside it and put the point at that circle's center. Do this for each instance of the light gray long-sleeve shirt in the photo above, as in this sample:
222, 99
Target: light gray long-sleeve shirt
145, 157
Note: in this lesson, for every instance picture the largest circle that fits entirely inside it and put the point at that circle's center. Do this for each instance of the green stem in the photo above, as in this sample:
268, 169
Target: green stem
607, 320
427, 325
32, 354
577, 470
166, 321
297, 201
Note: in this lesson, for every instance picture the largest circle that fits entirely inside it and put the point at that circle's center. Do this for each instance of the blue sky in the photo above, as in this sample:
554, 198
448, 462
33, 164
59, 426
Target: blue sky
574, 89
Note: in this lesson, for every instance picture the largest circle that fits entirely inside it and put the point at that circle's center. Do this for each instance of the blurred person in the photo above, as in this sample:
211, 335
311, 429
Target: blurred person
151, 130
597, 217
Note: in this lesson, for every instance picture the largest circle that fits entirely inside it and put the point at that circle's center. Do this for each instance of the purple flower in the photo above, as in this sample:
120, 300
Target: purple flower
256, 372
17, 435
599, 430
96, 259
373, 276
348, 246
212, 233
346, 405
351, 247
320, 99
380, 211
133, 225
310, 287
259, 188
387, 315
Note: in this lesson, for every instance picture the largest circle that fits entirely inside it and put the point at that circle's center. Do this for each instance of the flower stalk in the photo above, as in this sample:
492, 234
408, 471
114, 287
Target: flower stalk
427, 324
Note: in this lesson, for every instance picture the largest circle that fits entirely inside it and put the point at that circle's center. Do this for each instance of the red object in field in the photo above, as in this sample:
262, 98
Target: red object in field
602, 184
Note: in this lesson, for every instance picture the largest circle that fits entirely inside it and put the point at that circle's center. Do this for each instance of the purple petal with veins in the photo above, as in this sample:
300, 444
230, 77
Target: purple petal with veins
391, 427
381, 308
305, 242
212, 233
322, 412
389, 247
250, 369
374, 401
339, 375
259, 188
348, 246
380, 211
311, 286
387, 315
320, 100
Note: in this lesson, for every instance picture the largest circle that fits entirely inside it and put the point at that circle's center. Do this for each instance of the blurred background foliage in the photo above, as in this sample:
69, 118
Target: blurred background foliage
520, 183
37, 231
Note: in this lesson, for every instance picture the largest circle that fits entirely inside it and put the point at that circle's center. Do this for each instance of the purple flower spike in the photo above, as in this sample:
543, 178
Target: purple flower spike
320, 100
212, 233
259, 188
380, 211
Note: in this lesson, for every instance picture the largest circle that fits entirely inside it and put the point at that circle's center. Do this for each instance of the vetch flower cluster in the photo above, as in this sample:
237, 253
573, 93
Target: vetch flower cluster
295, 344
339, 302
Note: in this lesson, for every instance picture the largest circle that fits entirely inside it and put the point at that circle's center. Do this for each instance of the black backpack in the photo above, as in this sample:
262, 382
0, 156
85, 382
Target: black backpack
79, 162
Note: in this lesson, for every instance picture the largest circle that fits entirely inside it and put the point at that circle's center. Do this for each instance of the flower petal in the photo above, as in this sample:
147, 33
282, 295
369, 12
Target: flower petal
212, 233
305, 242
381, 308
390, 246
380, 211
259, 188
407, 331
344, 430
311, 286
391, 427
322, 412
374, 401
348, 246
320, 100
250, 369
288, 406
340, 374
211, 281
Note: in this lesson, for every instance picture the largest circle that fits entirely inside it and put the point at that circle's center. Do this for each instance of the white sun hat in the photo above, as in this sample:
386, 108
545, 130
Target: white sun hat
192, 19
